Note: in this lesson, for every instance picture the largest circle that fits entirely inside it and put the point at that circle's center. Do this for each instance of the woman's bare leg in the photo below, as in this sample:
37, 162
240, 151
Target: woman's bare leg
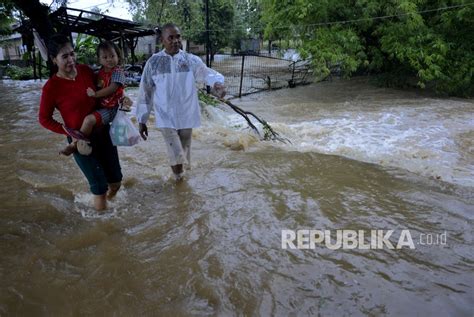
100, 202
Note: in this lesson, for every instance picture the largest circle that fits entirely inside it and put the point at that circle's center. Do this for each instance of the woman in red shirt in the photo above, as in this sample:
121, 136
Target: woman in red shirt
66, 92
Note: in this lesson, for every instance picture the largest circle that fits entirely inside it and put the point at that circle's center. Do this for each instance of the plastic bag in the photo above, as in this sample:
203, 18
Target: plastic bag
122, 131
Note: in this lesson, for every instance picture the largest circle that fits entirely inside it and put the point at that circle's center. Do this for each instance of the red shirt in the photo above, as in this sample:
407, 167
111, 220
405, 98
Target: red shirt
69, 97
104, 79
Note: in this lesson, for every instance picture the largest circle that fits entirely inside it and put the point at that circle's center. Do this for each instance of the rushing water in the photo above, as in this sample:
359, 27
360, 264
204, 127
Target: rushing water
361, 158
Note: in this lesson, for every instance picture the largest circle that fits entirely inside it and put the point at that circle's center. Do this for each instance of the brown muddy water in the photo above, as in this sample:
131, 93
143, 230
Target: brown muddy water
361, 158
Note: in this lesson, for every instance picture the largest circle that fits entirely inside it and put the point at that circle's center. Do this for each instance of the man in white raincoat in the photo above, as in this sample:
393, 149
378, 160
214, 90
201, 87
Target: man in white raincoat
168, 85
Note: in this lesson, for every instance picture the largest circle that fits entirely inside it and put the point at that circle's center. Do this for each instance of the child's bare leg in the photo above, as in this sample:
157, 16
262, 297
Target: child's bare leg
88, 125
69, 149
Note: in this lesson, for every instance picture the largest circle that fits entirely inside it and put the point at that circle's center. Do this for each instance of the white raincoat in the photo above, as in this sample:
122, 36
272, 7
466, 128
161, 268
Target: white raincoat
168, 85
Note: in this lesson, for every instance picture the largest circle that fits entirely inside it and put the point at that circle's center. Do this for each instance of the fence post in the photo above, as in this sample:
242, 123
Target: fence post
241, 75
208, 41
32, 53
292, 83
40, 64
293, 74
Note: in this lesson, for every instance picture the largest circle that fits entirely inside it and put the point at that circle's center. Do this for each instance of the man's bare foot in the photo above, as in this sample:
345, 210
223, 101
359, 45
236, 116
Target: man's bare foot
179, 177
178, 172
68, 150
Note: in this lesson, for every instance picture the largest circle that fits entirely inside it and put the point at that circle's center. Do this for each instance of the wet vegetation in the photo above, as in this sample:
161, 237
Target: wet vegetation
428, 44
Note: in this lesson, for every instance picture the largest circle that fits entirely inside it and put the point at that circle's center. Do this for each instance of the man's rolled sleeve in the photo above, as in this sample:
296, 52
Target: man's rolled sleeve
143, 113
145, 93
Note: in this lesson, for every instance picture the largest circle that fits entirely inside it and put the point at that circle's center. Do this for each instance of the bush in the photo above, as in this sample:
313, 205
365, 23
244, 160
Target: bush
19, 73
141, 58
207, 99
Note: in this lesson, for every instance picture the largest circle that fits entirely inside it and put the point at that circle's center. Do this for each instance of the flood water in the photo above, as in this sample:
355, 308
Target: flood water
361, 158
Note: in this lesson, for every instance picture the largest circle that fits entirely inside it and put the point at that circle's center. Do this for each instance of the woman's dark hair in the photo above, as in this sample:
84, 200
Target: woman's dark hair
55, 44
108, 45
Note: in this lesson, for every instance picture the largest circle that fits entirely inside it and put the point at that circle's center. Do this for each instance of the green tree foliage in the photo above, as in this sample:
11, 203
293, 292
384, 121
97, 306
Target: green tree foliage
432, 41
190, 16
185, 13
250, 13
19, 73
247, 22
6, 19
239, 31
95, 15
86, 49
221, 25
37, 14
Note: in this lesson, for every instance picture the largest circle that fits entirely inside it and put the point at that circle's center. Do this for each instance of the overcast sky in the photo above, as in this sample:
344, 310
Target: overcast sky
118, 9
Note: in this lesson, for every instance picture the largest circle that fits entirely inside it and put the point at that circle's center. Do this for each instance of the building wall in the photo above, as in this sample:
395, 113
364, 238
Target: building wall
12, 47
250, 45
196, 48
146, 45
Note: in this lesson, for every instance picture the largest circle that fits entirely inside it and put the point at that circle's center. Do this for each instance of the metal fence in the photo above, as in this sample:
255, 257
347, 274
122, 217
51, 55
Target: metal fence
247, 74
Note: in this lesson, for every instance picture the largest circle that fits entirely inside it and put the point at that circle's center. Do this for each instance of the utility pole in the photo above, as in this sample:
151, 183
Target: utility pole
208, 40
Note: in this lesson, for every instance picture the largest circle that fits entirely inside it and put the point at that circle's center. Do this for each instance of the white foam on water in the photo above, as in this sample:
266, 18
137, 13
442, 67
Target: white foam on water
217, 117
24, 84
83, 204
227, 128
421, 139
415, 141
430, 139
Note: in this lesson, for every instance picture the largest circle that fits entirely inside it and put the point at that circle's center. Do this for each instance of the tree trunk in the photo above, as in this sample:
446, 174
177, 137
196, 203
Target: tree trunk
39, 20
38, 15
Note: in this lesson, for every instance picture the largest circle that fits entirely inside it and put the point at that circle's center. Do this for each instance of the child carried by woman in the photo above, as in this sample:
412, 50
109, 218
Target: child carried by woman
110, 82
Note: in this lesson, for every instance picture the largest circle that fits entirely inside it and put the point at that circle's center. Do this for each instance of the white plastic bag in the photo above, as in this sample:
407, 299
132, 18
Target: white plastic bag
122, 131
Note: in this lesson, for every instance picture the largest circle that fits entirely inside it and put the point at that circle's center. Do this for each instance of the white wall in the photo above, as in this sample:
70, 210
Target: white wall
146, 45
